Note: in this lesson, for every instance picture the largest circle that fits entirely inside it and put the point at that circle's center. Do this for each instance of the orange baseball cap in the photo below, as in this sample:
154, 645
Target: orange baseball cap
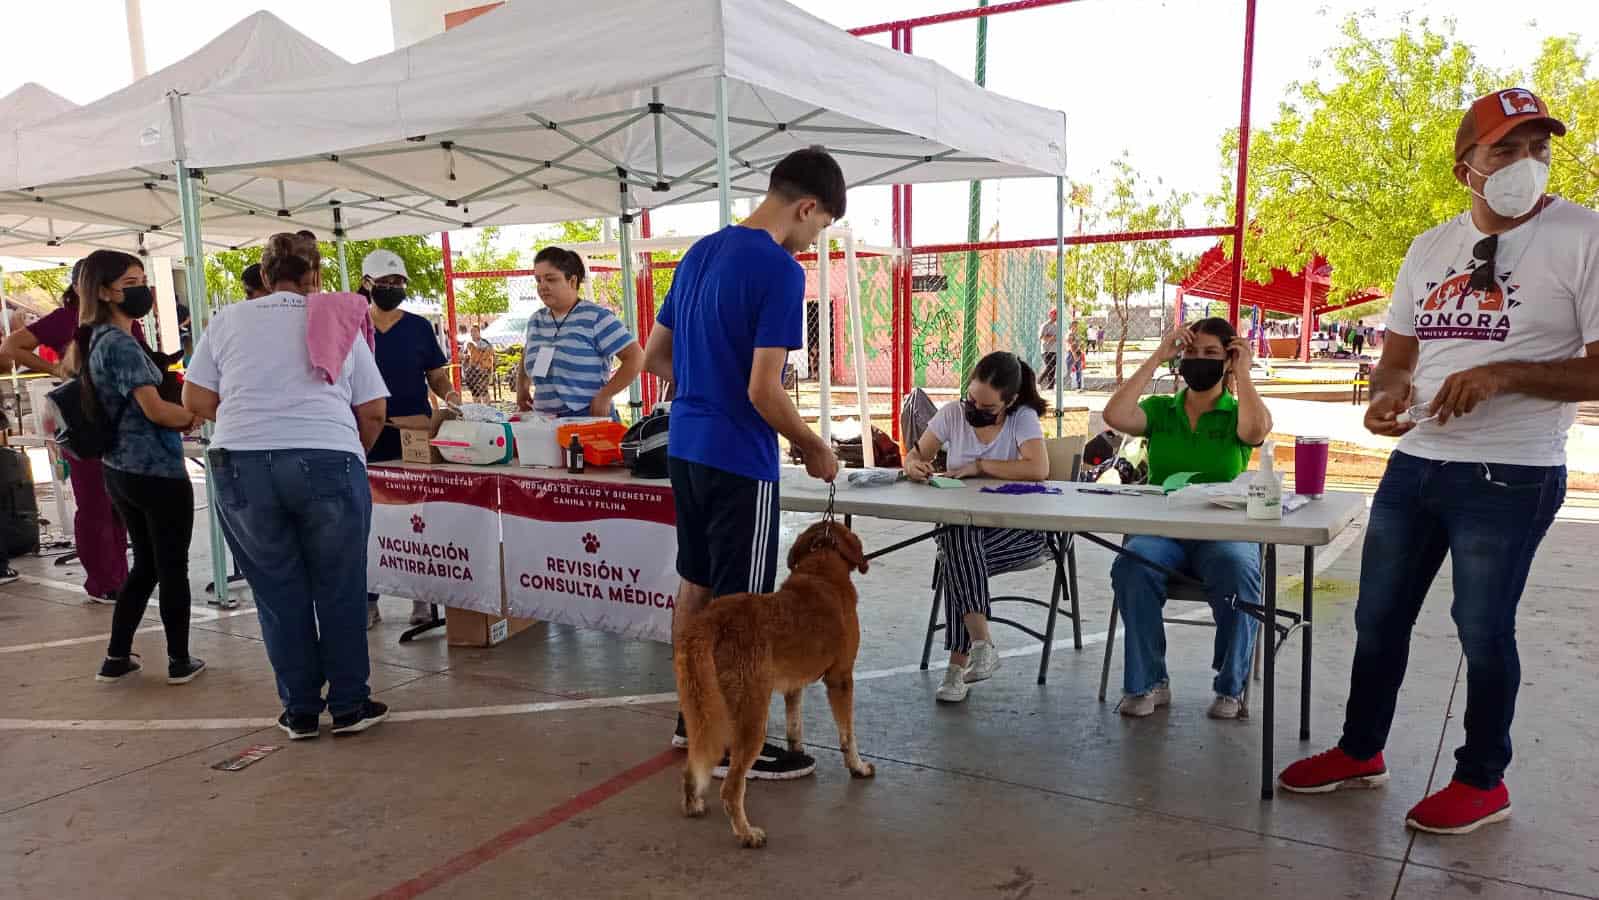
1492, 117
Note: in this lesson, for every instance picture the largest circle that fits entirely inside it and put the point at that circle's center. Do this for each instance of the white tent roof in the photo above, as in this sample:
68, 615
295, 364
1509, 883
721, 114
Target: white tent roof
111, 161
527, 113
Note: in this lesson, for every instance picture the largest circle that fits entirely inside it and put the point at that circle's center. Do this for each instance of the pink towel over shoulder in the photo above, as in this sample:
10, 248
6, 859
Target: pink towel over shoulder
332, 323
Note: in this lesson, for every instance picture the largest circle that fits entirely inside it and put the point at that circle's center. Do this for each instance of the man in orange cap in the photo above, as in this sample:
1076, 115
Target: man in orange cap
1493, 339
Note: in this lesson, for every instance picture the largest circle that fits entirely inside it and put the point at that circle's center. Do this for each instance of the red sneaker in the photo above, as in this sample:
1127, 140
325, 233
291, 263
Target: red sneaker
1332, 770
1460, 809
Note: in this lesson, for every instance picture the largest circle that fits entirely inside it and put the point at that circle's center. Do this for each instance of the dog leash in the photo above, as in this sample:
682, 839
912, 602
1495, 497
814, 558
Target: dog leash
828, 517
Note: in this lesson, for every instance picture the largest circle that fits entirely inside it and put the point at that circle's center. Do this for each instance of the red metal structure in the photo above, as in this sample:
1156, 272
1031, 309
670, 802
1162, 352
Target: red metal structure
1302, 294
901, 34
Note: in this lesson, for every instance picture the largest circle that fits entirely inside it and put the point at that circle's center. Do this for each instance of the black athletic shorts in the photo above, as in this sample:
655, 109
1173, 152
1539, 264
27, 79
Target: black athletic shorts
726, 529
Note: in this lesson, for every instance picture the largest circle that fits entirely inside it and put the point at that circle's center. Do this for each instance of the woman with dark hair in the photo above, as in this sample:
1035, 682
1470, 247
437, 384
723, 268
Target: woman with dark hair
570, 345
1208, 427
995, 433
144, 470
292, 491
97, 534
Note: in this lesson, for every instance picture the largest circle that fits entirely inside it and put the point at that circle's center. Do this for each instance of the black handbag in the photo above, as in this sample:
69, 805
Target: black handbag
83, 435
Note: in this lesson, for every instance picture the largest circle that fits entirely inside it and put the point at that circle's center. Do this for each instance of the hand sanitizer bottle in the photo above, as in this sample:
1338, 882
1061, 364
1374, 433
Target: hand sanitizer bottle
1266, 490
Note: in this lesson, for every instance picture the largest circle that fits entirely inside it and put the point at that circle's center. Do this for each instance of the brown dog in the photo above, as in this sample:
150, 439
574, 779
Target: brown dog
743, 647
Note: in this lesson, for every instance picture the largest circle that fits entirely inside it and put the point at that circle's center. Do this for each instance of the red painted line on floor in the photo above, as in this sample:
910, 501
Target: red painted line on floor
532, 828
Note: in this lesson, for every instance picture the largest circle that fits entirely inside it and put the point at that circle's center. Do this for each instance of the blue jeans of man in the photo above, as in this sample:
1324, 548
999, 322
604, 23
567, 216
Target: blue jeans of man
1229, 569
298, 522
1489, 518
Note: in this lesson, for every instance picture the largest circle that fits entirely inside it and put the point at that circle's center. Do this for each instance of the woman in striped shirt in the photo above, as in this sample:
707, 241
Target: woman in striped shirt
569, 347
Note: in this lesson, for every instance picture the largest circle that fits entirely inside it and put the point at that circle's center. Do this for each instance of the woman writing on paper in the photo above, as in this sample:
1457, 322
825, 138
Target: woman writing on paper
1208, 430
994, 433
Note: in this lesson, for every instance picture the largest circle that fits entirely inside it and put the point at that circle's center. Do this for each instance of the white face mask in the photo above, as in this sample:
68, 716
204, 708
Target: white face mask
1513, 191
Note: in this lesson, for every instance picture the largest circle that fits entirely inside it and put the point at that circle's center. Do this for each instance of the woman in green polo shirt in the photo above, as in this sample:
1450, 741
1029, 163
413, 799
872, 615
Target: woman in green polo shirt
1210, 430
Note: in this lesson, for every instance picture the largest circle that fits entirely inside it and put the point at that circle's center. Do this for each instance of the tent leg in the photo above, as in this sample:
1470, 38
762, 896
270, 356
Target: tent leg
1062, 365
200, 317
338, 241
724, 187
824, 334
629, 297
852, 289
449, 312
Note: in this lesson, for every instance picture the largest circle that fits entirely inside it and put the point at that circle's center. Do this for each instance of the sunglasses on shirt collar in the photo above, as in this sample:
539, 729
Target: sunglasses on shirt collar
1482, 277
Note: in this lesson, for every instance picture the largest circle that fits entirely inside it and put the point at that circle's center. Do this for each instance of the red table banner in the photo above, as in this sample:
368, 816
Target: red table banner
436, 537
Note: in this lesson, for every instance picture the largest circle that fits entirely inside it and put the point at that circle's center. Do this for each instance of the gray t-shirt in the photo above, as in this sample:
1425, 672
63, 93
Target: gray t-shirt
961, 443
118, 366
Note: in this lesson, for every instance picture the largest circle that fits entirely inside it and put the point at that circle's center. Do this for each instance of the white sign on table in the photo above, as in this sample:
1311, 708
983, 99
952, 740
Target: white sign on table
592, 554
436, 537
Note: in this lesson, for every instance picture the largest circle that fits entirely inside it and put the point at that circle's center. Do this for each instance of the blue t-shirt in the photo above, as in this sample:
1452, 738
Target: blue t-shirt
118, 366
733, 292
406, 353
586, 339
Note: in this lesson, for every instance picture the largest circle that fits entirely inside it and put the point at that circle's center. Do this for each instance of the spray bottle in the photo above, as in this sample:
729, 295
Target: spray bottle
1266, 490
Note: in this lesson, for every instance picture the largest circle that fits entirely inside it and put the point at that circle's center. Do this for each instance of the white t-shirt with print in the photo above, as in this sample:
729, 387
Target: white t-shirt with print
1544, 307
254, 355
962, 447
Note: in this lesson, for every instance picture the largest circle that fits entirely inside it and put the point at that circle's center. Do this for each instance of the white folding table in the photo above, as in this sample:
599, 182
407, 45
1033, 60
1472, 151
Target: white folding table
1076, 512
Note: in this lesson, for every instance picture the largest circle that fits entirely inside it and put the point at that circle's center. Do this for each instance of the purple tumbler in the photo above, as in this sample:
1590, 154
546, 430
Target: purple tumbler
1310, 466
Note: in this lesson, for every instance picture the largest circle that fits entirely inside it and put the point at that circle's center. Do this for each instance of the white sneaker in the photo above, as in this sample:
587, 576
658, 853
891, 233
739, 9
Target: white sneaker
373, 617
954, 688
1228, 708
421, 613
1137, 706
983, 662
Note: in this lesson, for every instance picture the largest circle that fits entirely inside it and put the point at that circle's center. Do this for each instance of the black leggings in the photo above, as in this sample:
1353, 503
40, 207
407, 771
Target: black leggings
159, 515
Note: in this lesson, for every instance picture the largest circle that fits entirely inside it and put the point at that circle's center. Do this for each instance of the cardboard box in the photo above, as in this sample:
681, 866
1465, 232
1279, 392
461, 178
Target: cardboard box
416, 432
468, 628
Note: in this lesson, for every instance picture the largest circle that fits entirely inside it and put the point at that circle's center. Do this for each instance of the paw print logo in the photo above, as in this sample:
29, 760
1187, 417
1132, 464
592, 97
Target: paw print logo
591, 543
417, 525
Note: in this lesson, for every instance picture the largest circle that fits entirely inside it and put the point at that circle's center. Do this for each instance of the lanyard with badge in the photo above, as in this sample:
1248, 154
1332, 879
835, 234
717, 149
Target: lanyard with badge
546, 354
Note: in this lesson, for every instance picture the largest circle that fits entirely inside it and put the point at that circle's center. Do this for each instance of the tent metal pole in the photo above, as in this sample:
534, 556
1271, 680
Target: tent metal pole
824, 335
863, 393
338, 241
724, 187
1062, 365
5, 314
449, 311
624, 255
200, 318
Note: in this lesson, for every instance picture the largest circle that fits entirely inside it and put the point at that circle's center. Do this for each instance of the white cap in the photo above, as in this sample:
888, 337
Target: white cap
383, 263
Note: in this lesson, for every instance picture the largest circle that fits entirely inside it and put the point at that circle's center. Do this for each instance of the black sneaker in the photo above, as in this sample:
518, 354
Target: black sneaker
8, 575
371, 713
680, 736
183, 671
113, 670
300, 728
774, 764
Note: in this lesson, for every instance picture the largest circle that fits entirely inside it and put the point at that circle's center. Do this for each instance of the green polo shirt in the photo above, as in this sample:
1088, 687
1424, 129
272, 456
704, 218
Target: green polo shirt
1212, 449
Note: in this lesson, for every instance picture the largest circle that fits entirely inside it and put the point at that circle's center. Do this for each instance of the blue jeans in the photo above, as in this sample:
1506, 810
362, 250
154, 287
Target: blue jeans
1489, 519
1229, 569
298, 522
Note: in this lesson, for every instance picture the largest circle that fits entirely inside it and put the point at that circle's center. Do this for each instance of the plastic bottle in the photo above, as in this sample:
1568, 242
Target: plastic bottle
574, 456
1266, 490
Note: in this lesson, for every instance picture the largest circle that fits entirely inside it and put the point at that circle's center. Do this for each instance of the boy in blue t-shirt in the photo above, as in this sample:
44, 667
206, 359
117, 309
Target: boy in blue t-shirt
736, 309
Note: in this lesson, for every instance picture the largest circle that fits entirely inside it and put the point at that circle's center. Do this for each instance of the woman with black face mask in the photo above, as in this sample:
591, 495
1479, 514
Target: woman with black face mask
144, 470
994, 433
1208, 427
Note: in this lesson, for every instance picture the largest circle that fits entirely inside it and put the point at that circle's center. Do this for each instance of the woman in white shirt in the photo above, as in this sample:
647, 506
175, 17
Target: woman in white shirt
995, 433
289, 461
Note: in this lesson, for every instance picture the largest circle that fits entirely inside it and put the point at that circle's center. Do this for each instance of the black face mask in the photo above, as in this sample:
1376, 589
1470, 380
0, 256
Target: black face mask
387, 298
137, 301
1200, 373
978, 418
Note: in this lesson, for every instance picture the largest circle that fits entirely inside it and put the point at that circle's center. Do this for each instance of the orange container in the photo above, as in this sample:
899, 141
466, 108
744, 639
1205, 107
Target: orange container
602, 441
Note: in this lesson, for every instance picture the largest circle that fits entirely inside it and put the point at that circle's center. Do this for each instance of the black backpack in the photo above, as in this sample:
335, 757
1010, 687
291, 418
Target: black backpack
81, 434
644, 446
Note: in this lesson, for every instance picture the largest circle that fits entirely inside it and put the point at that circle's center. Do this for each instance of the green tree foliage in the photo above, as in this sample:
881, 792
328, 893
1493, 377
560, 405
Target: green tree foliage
484, 297
1360, 161
423, 260
1110, 275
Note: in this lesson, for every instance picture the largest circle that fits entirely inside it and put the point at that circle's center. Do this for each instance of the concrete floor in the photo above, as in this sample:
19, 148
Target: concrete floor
540, 767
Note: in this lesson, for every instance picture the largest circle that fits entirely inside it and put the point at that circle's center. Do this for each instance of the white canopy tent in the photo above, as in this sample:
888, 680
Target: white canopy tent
531, 113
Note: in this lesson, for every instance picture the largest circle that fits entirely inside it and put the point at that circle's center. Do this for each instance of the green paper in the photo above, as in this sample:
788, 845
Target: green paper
939, 481
1177, 481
